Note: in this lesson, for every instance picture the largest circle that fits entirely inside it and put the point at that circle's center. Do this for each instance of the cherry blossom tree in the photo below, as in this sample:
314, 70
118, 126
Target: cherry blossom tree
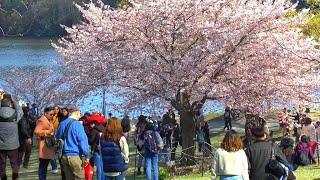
182, 52
39, 85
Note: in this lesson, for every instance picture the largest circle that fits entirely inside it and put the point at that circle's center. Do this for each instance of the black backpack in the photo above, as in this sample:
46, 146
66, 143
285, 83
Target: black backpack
274, 166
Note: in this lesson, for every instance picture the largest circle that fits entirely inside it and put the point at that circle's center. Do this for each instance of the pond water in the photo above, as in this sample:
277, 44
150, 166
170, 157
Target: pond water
17, 52
27, 52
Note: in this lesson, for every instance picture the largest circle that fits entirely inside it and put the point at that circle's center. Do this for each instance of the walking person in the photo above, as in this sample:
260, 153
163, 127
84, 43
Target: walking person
44, 130
230, 161
75, 146
25, 134
114, 151
227, 118
153, 144
10, 115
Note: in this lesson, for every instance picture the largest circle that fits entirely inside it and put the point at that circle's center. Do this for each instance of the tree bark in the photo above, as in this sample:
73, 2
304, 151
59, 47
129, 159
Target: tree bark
187, 125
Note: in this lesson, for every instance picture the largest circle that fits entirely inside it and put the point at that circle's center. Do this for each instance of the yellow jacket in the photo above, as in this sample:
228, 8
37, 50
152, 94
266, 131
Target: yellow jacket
55, 122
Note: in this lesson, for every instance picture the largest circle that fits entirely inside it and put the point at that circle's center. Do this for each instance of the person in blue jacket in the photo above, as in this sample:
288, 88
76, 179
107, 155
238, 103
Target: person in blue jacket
75, 146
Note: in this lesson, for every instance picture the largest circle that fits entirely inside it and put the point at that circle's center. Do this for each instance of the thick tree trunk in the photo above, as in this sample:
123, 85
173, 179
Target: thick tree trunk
188, 136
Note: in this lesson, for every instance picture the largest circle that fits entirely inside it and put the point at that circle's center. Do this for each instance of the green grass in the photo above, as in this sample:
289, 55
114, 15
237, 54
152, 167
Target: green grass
212, 116
308, 173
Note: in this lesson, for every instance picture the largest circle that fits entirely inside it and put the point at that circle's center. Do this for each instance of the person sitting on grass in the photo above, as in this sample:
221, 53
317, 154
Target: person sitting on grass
303, 154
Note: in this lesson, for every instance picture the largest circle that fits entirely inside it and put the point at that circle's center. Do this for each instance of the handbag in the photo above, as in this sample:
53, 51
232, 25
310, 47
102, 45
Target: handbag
275, 167
50, 141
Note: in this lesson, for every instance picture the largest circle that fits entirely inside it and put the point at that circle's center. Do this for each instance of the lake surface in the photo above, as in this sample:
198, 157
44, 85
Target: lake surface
18, 52
26, 52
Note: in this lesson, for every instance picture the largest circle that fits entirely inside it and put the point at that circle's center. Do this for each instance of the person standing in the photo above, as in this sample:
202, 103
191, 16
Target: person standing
75, 146
259, 154
227, 118
33, 116
55, 123
25, 134
63, 114
176, 139
153, 144
94, 129
44, 130
10, 115
230, 161
126, 126
139, 140
114, 151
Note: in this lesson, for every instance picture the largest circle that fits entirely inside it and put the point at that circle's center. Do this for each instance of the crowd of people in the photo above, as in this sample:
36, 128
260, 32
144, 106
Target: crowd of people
76, 142
256, 157
80, 142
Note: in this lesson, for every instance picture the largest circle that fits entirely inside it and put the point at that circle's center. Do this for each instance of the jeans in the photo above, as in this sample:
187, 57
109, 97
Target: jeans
54, 165
231, 177
43, 166
120, 177
99, 165
151, 162
13, 156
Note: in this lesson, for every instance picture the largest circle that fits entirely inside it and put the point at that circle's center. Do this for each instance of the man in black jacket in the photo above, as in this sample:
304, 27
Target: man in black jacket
259, 154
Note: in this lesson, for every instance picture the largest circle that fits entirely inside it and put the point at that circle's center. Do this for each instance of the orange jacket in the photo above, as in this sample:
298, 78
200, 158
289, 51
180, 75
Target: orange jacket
44, 129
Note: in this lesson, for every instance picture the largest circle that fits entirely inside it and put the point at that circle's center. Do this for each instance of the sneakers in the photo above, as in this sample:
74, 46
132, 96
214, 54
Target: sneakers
55, 171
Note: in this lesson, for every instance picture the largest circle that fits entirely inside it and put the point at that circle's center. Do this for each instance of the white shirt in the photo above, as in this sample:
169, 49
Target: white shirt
230, 163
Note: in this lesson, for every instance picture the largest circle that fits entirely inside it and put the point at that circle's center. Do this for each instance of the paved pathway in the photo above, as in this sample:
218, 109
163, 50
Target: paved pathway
218, 125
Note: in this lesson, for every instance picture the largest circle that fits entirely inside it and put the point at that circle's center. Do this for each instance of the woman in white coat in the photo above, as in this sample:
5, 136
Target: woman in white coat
230, 161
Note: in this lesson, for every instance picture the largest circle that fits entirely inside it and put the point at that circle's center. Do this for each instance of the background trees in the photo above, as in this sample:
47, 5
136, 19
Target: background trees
40, 17
39, 85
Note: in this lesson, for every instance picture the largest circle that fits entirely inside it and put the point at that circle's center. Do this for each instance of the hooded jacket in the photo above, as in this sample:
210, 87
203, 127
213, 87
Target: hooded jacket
9, 134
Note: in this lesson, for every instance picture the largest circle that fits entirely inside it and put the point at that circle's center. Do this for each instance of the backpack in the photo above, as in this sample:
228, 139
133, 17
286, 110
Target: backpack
150, 142
275, 167
60, 142
303, 159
